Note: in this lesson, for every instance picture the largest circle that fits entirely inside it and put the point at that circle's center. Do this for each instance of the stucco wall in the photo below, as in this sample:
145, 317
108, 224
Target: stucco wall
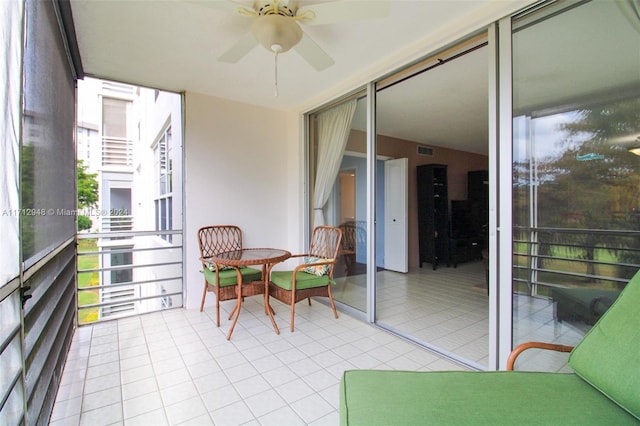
239, 162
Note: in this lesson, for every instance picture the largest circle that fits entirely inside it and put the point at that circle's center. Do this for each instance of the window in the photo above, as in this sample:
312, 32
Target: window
114, 117
122, 259
116, 146
164, 183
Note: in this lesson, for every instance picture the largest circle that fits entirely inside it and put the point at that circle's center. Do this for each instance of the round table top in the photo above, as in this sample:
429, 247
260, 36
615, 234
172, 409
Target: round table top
250, 256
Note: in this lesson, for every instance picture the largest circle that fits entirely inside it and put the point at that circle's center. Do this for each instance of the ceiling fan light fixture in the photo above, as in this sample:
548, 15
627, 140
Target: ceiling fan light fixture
276, 30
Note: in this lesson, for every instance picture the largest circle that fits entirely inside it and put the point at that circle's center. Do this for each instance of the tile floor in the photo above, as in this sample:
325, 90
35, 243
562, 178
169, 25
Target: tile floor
449, 309
177, 368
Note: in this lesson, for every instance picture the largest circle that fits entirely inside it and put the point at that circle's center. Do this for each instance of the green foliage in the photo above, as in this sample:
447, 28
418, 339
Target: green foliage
87, 279
592, 185
84, 222
87, 187
598, 194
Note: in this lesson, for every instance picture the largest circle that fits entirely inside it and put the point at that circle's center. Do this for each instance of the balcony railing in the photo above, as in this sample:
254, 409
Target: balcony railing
117, 223
545, 258
111, 88
128, 273
117, 151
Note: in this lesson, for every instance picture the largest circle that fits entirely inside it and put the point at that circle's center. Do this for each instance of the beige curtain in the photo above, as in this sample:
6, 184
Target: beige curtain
333, 131
631, 10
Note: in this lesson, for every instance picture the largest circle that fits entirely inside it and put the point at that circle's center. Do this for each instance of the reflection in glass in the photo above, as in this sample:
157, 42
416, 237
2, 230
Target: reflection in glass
437, 122
338, 173
576, 185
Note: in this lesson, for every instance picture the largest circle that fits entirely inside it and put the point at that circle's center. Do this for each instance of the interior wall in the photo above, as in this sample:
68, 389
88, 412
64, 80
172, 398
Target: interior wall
237, 159
458, 162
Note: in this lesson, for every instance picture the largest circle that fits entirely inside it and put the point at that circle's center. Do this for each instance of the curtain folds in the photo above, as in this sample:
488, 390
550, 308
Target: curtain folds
10, 84
333, 131
631, 10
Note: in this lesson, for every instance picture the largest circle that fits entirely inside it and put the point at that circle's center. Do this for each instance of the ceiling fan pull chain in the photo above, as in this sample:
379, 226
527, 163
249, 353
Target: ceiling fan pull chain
276, 73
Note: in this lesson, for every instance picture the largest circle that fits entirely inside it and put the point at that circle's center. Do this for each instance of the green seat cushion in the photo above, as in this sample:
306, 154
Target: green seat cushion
608, 357
229, 277
283, 279
377, 397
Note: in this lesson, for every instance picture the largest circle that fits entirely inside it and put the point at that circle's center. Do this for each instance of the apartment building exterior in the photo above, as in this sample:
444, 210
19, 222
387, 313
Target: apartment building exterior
129, 137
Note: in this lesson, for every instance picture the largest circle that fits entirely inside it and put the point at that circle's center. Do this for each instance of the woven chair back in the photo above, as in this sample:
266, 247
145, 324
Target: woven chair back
354, 234
325, 242
219, 238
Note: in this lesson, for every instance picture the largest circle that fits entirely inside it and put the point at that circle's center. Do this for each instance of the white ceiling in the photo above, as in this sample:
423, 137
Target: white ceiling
445, 106
174, 45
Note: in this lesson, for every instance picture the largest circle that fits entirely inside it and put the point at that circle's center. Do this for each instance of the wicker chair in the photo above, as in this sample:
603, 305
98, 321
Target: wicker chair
217, 279
312, 278
353, 237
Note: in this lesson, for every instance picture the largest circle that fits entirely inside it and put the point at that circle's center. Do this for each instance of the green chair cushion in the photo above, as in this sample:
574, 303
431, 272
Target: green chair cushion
381, 397
283, 279
229, 277
608, 356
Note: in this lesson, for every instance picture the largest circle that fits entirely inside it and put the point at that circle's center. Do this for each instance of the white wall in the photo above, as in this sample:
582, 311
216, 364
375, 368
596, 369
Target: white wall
241, 168
158, 113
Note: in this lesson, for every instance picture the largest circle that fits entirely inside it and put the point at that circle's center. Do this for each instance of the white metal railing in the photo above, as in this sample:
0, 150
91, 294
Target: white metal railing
117, 151
120, 89
117, 223
553, 257
125, 273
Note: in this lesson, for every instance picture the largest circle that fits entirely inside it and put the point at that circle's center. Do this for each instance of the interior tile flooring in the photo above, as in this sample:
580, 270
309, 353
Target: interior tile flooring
176, 367
448, 309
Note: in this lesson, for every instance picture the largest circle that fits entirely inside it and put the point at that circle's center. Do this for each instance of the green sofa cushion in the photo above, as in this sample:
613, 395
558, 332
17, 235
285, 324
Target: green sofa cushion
382, 397
582, 304
229, 277
303, 280
608, 357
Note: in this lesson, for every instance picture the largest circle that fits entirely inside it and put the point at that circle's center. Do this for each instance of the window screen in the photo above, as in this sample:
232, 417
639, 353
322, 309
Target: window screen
48, 189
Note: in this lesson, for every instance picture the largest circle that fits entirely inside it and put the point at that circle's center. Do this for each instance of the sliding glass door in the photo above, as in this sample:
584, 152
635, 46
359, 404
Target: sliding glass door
432, 137
499, 182
576, 183
338, 191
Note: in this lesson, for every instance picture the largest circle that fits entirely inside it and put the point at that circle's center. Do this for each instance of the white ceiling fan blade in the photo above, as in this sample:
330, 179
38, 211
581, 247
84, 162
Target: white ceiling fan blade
223, 5
313, 54
342, 11
239, 50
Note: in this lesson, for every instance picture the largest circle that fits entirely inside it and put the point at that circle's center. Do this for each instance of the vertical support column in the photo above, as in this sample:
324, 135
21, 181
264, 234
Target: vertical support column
493, 154
371, 202
501, 196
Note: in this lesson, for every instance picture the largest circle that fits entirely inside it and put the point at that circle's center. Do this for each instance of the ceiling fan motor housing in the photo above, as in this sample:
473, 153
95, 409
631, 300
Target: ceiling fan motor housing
276, 33
278, 7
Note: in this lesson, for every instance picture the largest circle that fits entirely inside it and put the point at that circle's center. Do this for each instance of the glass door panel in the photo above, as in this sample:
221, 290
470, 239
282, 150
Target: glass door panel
576, 180
338, 168
432, 147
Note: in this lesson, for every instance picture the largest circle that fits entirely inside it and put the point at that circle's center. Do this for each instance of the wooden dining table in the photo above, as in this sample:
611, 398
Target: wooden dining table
267, 258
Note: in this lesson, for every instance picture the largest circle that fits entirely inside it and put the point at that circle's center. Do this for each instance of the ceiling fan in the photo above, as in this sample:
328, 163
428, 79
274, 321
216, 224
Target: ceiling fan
276, 25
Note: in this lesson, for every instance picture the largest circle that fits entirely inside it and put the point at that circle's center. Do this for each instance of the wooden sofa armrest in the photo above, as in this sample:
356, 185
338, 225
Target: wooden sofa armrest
537, 345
